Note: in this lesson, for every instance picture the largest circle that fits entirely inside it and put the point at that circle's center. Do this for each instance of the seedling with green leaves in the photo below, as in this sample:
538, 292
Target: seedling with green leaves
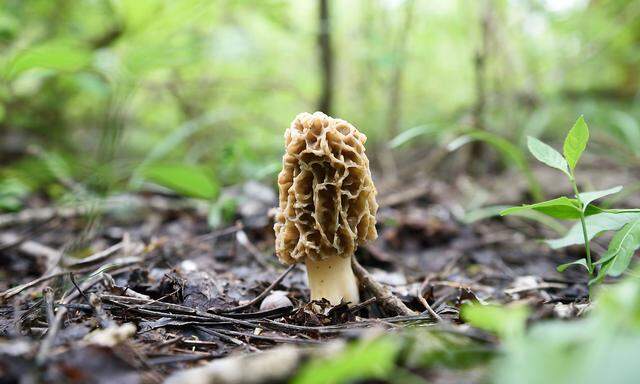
591, 220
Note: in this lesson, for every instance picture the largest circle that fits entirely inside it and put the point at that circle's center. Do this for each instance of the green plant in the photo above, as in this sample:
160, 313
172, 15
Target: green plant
511, 155
592, 220
599, 347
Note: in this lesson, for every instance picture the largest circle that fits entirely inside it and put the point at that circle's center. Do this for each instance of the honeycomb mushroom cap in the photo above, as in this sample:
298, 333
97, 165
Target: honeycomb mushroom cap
327, 198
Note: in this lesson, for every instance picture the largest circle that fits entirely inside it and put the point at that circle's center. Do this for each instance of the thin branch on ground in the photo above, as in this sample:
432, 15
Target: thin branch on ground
386, 299
263, 294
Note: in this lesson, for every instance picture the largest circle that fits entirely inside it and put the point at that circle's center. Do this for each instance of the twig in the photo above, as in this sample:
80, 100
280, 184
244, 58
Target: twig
386, 299
220, 335
38, 215
111, 285
425, 302
433, 313
405, 195
544, 285
48, 305
346, 327
263, 294
95, 258
54, 327
96, 304
243, 239
266, 314
31, 248
118, 263
162, 360
218, 233
19, 288
163, 310
275, 339
364, 304
73, 281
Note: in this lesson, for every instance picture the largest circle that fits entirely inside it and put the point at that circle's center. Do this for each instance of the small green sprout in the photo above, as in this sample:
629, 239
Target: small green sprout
591, 219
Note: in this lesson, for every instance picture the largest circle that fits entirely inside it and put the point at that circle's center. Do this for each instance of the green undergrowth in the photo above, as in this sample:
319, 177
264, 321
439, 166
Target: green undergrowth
601, 346
590, 220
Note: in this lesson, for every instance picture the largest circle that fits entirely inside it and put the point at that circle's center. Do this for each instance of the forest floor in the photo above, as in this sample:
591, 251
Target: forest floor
72, 279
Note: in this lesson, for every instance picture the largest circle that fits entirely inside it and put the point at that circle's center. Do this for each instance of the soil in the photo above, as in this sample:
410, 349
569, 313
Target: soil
152, 260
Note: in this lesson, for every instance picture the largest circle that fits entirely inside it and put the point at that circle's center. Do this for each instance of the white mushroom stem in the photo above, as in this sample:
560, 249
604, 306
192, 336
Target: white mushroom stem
333, 279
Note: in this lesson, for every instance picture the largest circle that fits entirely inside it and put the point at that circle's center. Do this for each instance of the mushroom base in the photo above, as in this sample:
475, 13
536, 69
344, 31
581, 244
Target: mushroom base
333, 279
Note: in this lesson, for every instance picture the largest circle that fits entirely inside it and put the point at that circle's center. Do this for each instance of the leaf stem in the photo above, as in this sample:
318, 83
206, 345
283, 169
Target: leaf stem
628, 210
583, 223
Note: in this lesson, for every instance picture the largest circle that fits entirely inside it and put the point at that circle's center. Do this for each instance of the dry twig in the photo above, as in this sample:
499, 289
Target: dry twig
385, 298
263, 294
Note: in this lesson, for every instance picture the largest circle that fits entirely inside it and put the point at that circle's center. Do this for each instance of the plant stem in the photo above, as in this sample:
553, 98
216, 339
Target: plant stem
583, 223
629, 210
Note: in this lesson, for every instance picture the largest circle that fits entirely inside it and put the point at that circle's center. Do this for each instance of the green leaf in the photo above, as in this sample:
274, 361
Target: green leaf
595, 224
60, 55
369, 359
547, 154
411, 133
560, 208
576, 142
583, 262
587, 197
495, 210
222, 211
12, 193
622, 247
504, 321
511, 155
629, 130
601, 273
187, 180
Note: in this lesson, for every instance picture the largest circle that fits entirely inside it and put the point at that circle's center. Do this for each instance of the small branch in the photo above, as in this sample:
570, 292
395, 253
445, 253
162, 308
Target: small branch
96, 258
98, 310
48, 305
31, 248
243, 239
364, 304
73, 281
424, 302
9, 293
54, 326
263, 294
386, 299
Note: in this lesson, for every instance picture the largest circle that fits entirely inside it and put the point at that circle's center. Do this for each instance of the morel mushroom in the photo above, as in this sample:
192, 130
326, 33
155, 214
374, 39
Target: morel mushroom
327, 203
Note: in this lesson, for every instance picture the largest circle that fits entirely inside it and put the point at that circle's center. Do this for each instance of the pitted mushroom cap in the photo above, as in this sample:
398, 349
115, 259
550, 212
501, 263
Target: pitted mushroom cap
327, 198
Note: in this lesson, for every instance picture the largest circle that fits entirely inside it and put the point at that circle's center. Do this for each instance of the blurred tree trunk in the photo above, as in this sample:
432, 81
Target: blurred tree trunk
480, 69
394, 111
326, 57
395, 89
475, 163
367, 73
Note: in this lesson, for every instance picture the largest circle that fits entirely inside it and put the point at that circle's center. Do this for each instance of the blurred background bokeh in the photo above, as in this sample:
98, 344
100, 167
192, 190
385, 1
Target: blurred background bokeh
103, 96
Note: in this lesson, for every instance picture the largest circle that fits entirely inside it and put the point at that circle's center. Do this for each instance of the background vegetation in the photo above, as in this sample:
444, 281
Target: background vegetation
94, 92
192, 97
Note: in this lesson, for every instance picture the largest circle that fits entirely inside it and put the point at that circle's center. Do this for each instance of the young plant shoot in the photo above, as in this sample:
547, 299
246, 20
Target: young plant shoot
327, 203
591, 220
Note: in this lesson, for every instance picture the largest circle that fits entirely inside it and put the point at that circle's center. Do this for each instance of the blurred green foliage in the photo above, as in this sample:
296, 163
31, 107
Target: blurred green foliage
599, 347
111, 85
364, 360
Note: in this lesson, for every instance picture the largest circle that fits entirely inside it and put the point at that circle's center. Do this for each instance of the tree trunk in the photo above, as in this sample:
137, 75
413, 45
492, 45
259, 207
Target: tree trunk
395, 91
326, 58
394, 111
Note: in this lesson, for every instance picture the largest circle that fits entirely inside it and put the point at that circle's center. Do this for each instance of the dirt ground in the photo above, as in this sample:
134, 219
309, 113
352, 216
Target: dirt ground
195, 295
